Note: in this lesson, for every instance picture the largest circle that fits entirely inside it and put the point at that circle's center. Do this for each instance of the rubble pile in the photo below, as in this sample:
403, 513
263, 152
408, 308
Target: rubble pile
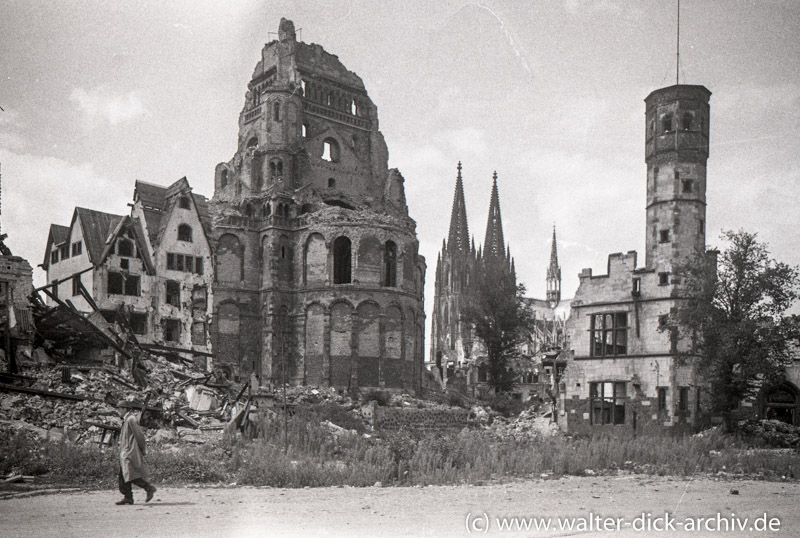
81, 400
528, 425
772, 432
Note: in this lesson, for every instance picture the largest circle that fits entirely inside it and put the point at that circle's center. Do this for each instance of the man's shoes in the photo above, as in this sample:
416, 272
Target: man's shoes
126, 500
150, 492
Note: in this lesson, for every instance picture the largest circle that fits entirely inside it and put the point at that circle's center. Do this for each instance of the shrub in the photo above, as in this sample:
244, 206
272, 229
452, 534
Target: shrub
382, 397
506, 405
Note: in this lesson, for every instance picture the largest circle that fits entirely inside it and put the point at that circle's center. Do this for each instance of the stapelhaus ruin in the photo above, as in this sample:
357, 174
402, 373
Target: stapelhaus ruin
624, 373
318, 279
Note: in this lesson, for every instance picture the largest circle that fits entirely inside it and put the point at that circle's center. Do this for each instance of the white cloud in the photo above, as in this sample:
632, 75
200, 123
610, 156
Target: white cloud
40, 190
101, 102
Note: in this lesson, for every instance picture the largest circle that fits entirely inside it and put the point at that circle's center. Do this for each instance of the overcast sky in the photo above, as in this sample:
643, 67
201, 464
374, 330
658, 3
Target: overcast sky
547, 93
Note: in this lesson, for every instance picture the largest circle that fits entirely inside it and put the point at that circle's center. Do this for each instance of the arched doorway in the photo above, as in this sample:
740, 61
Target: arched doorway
780, 403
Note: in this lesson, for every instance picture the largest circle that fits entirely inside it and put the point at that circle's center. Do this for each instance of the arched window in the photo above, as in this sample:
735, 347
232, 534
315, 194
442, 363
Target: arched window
223, 178
342, 260
253, 142
125, 248
666, 123
276, 169
267, 209
390, 264
330, 150
248, 210
304, 130
257, 173
353, 108
276, 112
184, 203
687, 121
185, 233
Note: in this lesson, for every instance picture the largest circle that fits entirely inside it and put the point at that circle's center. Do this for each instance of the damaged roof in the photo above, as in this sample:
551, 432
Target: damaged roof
157, 201
58, 234
96, 226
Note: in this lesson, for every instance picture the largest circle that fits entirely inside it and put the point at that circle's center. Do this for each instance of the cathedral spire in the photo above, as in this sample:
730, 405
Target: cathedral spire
494, 244
458, 238
553, 275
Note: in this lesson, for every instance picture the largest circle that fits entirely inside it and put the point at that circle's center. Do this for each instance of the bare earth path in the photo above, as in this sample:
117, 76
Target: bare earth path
429, 511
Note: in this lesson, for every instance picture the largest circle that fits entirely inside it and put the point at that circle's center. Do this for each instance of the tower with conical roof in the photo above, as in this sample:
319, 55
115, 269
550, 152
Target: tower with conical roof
553, 275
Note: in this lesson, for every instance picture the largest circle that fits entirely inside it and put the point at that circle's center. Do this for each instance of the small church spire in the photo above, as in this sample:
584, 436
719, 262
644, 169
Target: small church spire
494, 244
553, 275
458, 238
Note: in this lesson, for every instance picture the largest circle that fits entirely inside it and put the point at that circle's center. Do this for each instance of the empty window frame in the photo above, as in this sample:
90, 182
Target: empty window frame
115, 284
342, 260
663, 279
662, 399
609, 334
663, 236
138, 323
257, 173
132, 287
64, 251
185, 233
276, 112
666, 122
330, 150
607, 402
184, 203
688, 186
125, 248
390, 264
77, 248
276, 169
76, 285
173, 293
686, 121
683, 400
172, 330
198, 333
54, 256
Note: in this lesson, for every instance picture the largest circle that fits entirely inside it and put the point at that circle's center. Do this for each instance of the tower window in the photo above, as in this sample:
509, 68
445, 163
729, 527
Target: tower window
223, 178
330, 150
687, 186
257, 174
331, 183
276, 169
185, 233
663, 279
353, 108
341, 261
304, 130
253, 142
666, 123
701, 226
687, 121
636, 290
663, 236
276, 111
390, 264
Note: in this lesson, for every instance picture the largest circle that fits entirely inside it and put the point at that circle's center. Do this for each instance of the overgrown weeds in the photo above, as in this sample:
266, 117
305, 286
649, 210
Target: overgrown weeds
311, 455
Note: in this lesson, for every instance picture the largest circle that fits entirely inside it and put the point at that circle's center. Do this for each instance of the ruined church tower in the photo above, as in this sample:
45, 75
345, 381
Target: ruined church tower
318, 278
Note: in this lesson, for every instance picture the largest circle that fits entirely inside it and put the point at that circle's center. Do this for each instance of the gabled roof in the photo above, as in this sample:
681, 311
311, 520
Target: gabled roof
135, 226
96, 226
158, 201
58, 234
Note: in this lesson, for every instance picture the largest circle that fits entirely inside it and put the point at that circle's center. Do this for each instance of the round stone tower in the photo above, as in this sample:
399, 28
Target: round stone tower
318, 276
676, 151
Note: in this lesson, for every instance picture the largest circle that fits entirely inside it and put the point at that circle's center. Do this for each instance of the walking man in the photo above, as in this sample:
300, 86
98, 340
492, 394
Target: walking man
131, 456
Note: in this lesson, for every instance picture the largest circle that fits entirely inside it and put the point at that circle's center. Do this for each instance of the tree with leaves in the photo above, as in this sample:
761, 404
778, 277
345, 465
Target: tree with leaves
735, 316
500, 319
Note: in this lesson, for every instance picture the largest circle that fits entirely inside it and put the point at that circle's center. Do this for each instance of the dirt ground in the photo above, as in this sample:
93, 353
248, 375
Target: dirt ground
614, 506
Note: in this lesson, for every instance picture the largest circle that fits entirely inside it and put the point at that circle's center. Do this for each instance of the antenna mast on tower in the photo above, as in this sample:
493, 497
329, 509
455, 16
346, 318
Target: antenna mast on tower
678, 48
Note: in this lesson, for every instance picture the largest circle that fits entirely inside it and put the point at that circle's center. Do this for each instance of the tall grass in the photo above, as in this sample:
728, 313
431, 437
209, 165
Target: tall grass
312, 456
